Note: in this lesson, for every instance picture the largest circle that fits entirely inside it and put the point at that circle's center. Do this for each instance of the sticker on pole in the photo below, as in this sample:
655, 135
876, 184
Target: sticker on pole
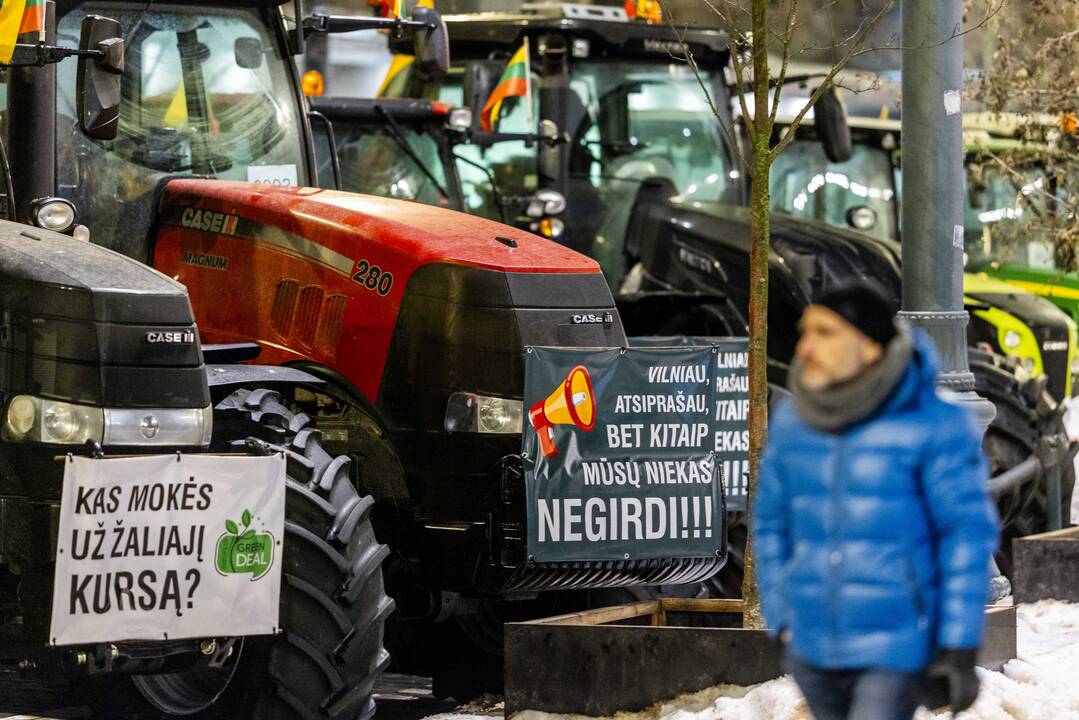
618, 454
168, 546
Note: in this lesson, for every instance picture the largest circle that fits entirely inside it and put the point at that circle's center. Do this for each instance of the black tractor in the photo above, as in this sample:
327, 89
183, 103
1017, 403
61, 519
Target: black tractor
100, 357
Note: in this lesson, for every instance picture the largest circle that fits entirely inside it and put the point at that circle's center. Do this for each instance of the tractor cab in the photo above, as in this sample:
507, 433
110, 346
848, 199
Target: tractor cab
209, 90
1009, 211
614, 107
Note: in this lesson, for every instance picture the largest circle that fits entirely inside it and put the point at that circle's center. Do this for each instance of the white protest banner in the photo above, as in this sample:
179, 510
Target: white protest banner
168, 546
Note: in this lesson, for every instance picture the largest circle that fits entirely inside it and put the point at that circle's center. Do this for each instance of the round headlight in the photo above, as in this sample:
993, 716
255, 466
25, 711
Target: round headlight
494, 414
55, 214
20, 415
61, 422
862, 218
1012, 339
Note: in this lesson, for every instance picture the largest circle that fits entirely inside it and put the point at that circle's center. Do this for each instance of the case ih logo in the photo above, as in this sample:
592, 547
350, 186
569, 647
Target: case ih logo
593, 318
181, 337
209, 221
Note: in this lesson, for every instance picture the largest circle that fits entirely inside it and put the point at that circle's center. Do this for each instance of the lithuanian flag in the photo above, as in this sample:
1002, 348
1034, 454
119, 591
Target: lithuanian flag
10, 20
515, 82
33, 20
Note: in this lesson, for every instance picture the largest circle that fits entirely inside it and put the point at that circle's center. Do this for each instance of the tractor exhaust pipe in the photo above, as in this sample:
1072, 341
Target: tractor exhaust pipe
32, 130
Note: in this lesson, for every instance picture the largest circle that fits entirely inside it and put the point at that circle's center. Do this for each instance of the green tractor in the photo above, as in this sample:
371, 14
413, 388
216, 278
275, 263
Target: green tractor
863, 193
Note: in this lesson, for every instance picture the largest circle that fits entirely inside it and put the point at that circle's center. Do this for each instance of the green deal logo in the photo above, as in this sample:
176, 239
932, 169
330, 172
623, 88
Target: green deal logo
244, 551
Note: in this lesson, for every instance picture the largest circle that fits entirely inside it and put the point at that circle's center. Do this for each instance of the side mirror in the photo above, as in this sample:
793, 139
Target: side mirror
248, 52
98, 83
831, 119
432, 44
481, 78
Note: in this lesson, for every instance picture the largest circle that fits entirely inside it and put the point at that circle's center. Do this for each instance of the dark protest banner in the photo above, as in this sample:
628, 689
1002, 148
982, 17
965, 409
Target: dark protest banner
618, 454
168, 547
732, 408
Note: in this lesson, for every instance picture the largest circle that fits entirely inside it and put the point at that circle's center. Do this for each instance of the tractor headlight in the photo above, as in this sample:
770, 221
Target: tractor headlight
1011, 340
31, 419
53, 213
469, 412
187, 426
52, 422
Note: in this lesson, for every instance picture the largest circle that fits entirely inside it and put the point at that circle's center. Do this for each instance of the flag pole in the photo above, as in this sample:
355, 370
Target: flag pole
528, 87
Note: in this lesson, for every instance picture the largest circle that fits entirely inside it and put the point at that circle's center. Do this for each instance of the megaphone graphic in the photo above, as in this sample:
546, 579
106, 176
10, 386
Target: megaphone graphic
573, 402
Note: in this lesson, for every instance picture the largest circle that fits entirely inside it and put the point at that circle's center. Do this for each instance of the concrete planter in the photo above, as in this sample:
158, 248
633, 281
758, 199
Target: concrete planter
586, 664
1047, 566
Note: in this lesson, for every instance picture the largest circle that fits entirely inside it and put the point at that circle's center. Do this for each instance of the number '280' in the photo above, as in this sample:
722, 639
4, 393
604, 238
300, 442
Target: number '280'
372, 277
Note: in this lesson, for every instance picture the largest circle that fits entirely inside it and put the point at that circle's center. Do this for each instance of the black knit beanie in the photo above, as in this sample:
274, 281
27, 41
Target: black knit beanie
865, 306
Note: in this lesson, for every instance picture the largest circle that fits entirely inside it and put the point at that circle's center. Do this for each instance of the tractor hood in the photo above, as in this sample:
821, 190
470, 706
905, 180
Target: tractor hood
813, 255
85, 324
336, 228
85, 282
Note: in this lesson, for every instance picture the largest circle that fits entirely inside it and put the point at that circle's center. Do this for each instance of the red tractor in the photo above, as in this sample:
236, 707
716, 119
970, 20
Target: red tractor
415, 318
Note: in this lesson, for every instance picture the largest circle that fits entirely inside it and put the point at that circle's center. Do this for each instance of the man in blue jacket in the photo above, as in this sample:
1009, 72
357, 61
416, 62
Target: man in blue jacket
873, 525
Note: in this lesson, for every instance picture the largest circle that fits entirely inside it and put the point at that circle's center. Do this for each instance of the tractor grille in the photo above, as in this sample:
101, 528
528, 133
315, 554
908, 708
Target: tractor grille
284, 304
576, 575
307, 313
1053, 342
329, 328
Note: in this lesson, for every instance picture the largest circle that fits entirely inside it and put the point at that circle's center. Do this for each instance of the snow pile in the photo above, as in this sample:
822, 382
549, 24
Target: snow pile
1042, 684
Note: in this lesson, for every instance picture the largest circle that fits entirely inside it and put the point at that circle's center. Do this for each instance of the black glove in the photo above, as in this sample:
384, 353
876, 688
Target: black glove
956, 665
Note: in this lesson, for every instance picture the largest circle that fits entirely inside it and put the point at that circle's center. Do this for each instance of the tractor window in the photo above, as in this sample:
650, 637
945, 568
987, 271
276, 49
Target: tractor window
510, 163
630, 121
857, 194
204, 93
1017, 210
373, 162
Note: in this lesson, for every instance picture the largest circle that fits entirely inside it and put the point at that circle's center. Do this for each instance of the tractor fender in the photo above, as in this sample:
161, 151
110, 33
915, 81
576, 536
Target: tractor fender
220, 377
390, 485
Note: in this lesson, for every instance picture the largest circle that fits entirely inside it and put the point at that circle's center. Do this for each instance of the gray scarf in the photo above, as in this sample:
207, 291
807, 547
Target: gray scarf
837, 406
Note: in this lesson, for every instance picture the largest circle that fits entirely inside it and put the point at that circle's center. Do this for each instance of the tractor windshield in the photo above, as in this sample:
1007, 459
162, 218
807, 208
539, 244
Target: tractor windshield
627, 121
402, 161
1016, 211
206, 91
858, 193
630, 121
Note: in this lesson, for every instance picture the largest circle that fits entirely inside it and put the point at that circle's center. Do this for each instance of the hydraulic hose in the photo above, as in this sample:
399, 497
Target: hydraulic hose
1016, 476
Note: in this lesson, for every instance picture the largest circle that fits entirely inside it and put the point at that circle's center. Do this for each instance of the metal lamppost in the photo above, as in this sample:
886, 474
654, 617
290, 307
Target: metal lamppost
933, 189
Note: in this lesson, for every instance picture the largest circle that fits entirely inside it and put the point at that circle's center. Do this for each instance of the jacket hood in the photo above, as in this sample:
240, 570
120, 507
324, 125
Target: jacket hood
920, 380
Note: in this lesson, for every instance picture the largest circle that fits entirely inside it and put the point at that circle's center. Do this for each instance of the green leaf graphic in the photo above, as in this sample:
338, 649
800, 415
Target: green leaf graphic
231, 527
246, 518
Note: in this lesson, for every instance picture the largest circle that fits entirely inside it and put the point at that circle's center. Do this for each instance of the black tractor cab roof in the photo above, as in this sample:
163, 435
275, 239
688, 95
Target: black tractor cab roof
606, 29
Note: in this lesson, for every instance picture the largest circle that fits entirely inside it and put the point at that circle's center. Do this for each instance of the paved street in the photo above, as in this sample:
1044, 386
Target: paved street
399, 697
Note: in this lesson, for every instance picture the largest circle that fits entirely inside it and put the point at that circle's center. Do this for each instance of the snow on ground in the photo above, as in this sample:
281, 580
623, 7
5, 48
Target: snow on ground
1041, 684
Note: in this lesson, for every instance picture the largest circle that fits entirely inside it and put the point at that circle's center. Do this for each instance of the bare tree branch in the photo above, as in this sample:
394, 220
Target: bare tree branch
792, 18
865, 29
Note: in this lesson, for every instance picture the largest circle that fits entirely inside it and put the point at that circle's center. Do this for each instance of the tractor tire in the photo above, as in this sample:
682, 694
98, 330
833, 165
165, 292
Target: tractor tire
727, 583
1024, 414
329, 653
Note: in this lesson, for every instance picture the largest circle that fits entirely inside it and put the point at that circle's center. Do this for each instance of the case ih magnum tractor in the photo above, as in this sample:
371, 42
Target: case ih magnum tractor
100, 355
415, 319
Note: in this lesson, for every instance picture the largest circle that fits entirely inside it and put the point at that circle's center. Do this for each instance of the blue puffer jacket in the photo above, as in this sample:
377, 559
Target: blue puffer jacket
873, 544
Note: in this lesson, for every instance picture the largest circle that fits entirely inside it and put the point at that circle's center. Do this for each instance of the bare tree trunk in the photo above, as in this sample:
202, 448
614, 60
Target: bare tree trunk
761, 137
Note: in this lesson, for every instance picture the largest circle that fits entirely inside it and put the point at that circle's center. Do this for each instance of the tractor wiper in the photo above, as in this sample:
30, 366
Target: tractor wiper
394, 131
